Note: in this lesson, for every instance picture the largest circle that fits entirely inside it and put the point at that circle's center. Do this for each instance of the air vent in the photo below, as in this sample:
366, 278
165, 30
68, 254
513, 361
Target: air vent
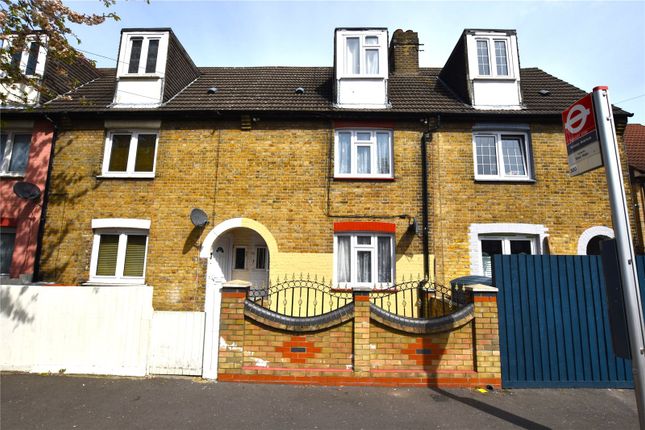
212, 90
545, 93
300, 90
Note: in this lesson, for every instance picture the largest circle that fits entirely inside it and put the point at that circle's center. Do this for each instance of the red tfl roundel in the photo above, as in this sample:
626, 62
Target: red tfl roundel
578, 119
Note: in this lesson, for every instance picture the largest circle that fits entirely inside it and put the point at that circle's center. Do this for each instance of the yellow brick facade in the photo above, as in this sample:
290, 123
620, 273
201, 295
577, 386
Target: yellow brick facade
280, 175
565, 205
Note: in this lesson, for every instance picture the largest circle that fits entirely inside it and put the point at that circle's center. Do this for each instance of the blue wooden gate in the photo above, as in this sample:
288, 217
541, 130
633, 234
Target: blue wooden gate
553, 324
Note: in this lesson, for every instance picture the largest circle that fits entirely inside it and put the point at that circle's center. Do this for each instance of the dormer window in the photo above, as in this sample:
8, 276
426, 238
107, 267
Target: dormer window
146, 49
499, 57
361, 68
30, 61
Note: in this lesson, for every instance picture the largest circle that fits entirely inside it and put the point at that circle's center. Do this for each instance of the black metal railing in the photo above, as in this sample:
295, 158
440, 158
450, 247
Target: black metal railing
420, 299
300, 297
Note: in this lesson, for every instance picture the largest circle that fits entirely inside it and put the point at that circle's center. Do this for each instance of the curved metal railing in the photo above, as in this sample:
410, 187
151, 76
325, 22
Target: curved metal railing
420, 299
300, 297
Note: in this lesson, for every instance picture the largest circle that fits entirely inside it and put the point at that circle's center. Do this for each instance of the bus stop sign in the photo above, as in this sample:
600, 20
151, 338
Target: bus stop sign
583, 145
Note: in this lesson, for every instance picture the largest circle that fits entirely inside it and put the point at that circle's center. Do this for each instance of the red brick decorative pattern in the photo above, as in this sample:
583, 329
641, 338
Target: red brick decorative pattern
298, 349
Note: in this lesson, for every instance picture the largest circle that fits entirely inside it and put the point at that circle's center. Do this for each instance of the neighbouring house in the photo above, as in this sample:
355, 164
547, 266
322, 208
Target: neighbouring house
26, 143
194, 179
635, 146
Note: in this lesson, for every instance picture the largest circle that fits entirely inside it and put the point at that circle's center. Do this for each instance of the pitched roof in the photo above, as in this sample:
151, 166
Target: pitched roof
635, 145
274, 89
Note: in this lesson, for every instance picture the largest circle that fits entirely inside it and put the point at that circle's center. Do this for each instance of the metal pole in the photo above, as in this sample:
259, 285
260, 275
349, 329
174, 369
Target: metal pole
622, 230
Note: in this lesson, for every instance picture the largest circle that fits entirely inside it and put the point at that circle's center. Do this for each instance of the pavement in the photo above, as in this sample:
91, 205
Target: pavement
29, 401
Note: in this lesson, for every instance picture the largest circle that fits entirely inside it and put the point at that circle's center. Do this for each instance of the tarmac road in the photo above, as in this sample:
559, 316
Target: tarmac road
30, 401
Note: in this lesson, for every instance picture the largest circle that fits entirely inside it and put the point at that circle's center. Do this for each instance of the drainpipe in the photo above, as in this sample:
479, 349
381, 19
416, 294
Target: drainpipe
433, 125
43, 212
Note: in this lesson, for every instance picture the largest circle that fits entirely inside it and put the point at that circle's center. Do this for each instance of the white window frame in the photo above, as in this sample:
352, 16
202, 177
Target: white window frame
24, 56
123, 227
477, 232
354, 144
246, 257
132, 154
501, 170
381, 46
492, 57
373, 248
145, 44
266, 259
5, 159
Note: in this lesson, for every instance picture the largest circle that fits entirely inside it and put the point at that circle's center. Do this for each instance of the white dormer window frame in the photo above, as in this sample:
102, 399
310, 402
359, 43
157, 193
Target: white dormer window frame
491, 61
133, 58
31, 61
362, 54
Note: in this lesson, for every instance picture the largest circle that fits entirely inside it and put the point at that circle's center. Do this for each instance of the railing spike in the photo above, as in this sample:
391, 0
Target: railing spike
307, 276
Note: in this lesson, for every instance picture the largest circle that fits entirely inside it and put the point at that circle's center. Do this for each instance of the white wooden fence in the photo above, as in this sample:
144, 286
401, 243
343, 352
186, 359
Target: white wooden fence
96, 330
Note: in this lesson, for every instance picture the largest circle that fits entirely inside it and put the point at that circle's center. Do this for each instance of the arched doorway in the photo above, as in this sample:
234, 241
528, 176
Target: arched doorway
237, 249
241, 254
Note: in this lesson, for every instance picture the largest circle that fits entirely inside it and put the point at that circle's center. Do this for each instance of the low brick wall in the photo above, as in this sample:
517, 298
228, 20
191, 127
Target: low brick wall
363, 350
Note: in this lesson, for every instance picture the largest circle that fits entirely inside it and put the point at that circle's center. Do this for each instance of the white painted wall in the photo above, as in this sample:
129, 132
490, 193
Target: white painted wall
138, 92
362, 93
176, 343
90, 330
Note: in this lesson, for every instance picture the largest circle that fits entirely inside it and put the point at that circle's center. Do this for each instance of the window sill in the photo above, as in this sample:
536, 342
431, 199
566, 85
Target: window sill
10, 175
495, 78
114, 283
126, 176
141, 76
363, 178
506, 180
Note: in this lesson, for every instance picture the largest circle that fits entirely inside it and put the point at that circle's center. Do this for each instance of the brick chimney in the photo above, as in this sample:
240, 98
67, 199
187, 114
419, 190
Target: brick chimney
404, 52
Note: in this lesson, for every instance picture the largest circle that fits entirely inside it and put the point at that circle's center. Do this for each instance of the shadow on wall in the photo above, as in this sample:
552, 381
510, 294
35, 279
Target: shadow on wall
12, 309
67, 187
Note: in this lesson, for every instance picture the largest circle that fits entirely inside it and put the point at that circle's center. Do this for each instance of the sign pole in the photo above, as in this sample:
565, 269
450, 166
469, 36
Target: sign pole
625, 247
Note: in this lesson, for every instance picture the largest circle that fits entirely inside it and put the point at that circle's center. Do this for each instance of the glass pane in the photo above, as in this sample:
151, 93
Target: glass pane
3, 148
240, 258
383, 152
371, 40
514, 157
500, 57
364, 266
135, 55
371, 61
7, 240
364, 136
33, 59
135, 256
119, 153
151, 62
343, 268
345, 158
384, 259
364, 240
490, 247
145, 153
108, 248
261, 258
364, 160
16, 57
486, 153
482, 57
20, 153
352, 65
521, 247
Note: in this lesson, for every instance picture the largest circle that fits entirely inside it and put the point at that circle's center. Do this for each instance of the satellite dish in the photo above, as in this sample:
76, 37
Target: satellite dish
26, 190
198, 217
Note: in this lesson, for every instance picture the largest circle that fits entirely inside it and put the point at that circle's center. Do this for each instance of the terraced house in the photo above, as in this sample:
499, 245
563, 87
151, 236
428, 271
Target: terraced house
361, 174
